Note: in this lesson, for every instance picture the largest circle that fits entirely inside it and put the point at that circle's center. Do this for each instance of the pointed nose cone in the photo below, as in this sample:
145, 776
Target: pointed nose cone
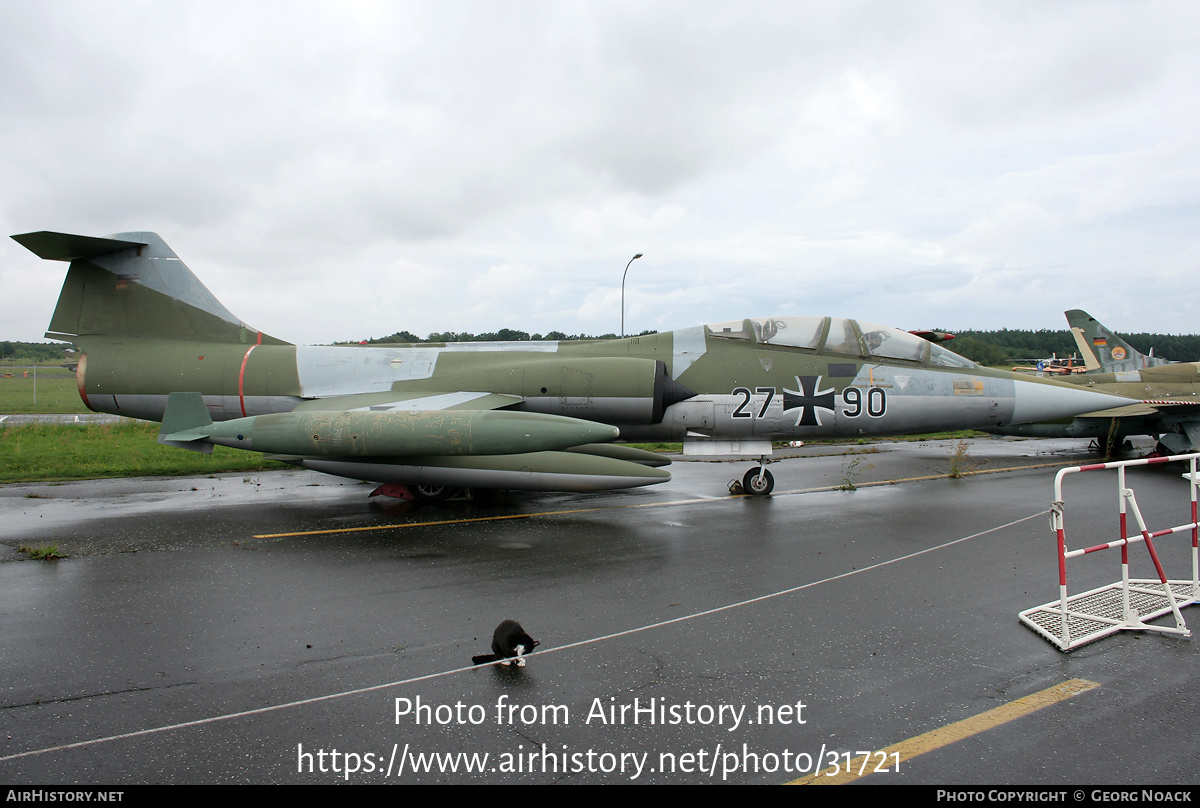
1037, 401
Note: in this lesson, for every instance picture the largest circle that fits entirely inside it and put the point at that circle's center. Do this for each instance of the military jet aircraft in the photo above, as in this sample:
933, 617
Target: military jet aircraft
1103, 350
1168, 393
158, 345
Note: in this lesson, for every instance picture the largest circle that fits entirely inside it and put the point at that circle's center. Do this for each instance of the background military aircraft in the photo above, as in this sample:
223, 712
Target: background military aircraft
158, 345
1104, 351
1168, 393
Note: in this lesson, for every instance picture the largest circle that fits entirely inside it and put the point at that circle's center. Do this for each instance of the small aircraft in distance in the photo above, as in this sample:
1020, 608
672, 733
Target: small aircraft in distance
157, 345
1167, 393
1060, 367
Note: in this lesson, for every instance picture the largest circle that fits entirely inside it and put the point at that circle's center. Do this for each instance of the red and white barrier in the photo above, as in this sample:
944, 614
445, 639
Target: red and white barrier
1128, 604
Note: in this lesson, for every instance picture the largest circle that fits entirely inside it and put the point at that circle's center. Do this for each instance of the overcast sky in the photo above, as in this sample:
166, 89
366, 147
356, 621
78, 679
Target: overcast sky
337, 171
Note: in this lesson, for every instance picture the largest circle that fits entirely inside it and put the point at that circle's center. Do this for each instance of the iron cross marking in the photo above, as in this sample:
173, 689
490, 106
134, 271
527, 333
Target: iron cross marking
808, 399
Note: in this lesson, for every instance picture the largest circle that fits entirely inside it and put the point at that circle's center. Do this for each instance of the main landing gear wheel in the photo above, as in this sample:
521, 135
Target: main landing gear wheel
758, 481
430, 493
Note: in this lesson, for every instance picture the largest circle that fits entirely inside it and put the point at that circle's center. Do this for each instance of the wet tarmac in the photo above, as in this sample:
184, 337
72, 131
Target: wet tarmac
284, 628
82, 418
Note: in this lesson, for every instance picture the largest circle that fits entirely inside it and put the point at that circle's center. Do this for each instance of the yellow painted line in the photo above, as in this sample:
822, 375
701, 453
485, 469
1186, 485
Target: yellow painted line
417, 524
891, 757
694, 501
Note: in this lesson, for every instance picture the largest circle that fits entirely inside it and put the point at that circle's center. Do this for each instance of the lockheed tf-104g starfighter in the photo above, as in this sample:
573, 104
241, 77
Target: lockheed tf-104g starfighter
157, 345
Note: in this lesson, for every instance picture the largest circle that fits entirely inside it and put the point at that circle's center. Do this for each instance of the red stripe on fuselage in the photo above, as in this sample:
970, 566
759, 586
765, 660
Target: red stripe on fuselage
242, 375
80, 371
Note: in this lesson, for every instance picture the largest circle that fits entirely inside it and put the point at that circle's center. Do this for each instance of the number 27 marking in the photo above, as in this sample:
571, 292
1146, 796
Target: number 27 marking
742, 412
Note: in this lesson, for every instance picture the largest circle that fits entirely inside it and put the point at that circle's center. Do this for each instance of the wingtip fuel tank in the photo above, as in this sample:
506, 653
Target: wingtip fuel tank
405, 433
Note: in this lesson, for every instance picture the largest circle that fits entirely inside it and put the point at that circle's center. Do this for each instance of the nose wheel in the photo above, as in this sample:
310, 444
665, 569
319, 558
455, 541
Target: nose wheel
758, 481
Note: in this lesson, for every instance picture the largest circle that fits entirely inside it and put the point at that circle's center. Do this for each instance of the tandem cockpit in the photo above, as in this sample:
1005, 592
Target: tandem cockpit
840, 335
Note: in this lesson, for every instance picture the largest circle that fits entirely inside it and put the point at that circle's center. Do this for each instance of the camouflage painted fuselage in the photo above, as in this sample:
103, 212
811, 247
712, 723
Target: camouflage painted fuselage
676, 386
149, 329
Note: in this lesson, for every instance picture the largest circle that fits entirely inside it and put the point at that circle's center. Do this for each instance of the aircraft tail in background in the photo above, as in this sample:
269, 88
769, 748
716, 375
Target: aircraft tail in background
1102, 350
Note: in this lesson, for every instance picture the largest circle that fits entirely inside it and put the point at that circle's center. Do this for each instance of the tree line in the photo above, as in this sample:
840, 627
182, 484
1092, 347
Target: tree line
1005, 346
1010, 346
503, 335
34, 351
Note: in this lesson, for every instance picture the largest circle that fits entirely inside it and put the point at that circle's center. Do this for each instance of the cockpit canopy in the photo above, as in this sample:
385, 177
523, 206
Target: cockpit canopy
841, 336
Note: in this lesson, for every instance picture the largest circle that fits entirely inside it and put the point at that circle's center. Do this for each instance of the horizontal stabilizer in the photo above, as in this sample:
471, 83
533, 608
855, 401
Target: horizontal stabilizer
68, 247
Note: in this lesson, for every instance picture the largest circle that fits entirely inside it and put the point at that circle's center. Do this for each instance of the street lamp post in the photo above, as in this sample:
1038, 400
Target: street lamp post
631, 260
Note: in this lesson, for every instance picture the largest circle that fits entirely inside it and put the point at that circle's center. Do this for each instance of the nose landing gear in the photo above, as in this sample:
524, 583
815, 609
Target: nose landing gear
758, 481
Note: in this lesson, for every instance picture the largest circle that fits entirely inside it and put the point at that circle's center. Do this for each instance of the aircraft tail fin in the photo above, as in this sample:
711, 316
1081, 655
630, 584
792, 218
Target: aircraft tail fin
183, 423
133, 285
1101, 348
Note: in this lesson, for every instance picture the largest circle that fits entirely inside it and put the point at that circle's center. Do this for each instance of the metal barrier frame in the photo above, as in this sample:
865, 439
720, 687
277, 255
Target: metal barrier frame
1071, 621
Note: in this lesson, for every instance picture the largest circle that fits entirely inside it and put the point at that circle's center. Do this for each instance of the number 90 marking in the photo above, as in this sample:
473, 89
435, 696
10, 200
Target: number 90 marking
876, 402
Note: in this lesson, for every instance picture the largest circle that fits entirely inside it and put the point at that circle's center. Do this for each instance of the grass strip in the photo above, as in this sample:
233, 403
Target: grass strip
54, 393
42, 452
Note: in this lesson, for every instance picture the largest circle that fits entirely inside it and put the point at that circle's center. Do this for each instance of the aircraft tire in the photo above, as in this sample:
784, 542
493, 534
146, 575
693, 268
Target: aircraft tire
430, 493
756, 484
